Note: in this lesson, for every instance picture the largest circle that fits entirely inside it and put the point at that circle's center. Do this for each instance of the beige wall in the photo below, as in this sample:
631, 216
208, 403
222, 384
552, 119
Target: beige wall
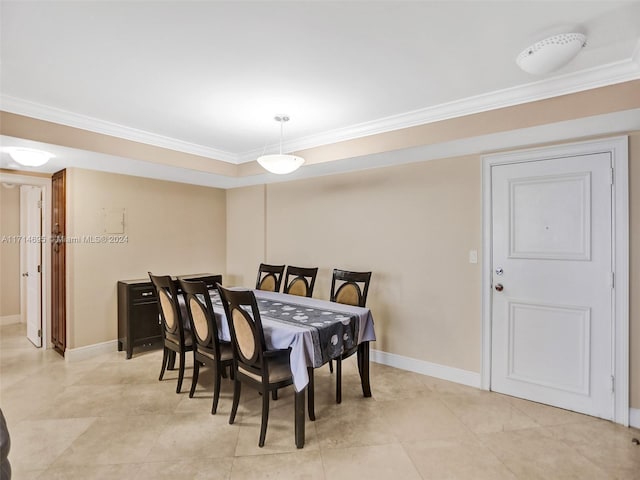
413, 226
171, 228
9, 251
246, 245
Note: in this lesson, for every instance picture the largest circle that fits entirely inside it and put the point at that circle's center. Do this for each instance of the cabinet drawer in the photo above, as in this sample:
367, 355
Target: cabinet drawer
142, 293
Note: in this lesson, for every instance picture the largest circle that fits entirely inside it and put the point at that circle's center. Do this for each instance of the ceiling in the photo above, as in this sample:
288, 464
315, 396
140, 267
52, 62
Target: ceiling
207, 78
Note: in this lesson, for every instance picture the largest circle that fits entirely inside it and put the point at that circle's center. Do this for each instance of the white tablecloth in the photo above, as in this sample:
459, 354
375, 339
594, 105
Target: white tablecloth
284, 335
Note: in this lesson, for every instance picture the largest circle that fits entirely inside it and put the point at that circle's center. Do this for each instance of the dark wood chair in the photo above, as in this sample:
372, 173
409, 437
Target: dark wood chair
176, 338
350, 288
254, 365
208, 349
269, 277
210, 280
302, 281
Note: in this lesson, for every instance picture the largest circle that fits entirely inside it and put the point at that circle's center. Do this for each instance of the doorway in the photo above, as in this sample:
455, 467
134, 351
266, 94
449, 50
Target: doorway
555, 321
44, 185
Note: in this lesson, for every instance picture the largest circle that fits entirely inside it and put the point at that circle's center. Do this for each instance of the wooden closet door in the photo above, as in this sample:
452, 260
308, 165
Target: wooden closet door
58, 263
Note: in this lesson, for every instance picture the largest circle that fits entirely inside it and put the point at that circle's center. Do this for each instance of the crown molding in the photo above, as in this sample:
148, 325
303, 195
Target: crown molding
617, 72
47, 113
610, 74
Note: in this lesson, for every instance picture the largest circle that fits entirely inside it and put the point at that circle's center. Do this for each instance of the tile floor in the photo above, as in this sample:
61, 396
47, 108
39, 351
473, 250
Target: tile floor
110, 418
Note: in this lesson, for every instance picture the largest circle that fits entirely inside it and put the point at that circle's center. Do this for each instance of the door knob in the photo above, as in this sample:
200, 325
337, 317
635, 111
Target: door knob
499, 287
25, 274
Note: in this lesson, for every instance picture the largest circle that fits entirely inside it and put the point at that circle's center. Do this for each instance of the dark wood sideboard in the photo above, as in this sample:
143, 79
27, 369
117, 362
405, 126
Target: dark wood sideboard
138, 315
138, 320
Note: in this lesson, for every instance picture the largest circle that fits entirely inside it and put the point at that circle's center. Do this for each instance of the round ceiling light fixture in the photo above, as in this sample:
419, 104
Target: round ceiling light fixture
551, 53
29, 157
280, 163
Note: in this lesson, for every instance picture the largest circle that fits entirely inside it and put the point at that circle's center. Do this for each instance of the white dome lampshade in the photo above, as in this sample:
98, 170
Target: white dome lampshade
551, 53
280, 163
29, 157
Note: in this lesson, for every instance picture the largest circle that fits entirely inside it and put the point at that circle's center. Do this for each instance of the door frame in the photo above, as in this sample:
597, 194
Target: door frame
618, 148
45, 184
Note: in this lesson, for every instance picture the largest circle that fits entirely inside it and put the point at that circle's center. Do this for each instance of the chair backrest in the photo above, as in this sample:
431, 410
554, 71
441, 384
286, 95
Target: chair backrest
170, 312
302, 282
350, 288
210, 280
269, 277
201, 316
245, 325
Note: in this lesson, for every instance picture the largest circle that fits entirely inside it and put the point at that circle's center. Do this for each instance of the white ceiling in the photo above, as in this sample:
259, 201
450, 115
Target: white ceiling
208, 77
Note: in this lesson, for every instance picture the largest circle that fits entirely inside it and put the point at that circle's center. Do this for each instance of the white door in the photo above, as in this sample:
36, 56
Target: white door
31, 252
552, 282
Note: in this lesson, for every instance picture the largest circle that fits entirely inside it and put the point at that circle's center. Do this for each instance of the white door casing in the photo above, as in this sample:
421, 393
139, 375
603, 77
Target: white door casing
31, 259
558, 227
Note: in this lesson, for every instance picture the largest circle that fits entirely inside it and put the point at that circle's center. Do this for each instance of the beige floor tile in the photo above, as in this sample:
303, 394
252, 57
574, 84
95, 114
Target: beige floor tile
487, 412
444, 387
536, 454
379, 462
306, 464
36, 444
456, 460
192, 469
115, 440
547, 415
352, 424
93, 472
194, 436
417, 419
605, 444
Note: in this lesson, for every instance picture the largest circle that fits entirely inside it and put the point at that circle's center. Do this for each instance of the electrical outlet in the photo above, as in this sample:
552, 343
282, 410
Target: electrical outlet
473, 256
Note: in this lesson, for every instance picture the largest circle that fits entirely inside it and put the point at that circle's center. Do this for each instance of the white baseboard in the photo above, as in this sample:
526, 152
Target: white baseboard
452, 374
90, 351
634, 417
9, 319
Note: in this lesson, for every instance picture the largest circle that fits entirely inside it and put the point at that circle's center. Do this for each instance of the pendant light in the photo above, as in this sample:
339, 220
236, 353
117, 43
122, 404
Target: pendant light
280, 163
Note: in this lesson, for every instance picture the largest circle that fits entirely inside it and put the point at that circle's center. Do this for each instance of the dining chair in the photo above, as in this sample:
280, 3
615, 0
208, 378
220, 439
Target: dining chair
210, 280
349, 288
208, 349
302, 281
269, 277
253, 365
177, 340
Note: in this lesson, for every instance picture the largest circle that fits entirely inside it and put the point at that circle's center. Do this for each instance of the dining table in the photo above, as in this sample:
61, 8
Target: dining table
315, 330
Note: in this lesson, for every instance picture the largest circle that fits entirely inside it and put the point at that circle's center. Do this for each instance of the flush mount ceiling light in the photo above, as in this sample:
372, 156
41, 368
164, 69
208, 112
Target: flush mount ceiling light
29, 157
280, 163
551, 53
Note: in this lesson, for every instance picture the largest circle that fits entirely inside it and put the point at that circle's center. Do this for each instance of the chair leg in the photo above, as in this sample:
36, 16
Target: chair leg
194, 379
330, 366
310, 398
265, 418
338, 380
165, 359
274, 394
171, 365
180, 372
216, 389
236, 400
